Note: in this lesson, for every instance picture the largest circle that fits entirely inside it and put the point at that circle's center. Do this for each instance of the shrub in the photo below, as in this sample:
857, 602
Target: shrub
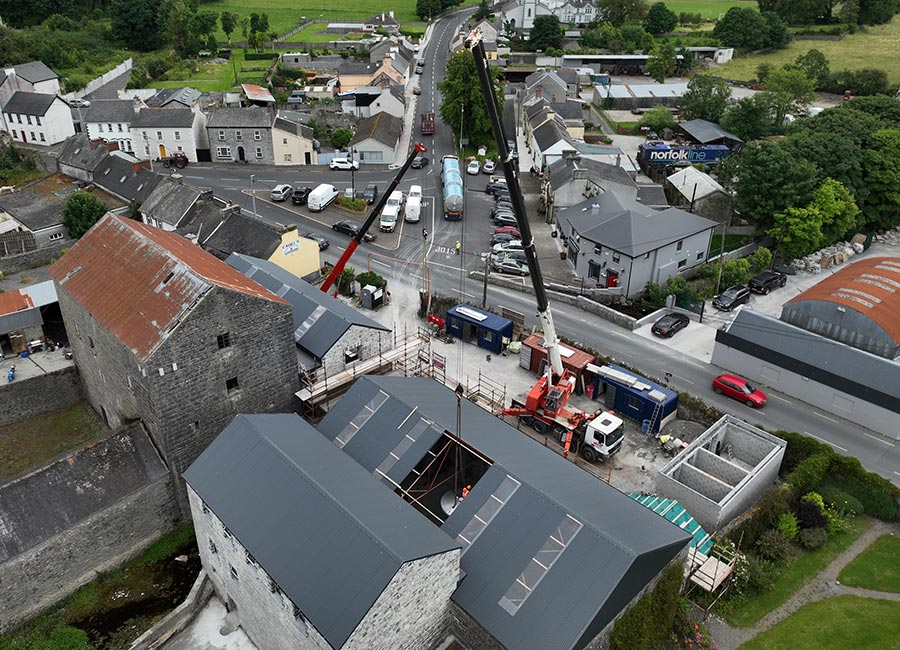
838, 522
876, 494
647, 624
773, 546
813, 497
761, 259
370, 277
799, 448
810, 473
812, 538
774, 503
760, 574
810, 515
258, 56
840, 500
787, 526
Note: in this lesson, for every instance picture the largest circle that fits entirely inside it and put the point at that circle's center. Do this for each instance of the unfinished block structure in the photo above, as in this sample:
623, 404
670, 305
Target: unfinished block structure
723, 472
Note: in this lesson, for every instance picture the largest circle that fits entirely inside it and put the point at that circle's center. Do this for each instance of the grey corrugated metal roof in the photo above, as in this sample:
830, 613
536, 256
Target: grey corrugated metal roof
624, 225
704, 131
338, 539
18, 320
24, 103
329, 327
619, 548
42, 293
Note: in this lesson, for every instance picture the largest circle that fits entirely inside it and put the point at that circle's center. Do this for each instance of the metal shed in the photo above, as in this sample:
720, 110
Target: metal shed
634, 396
474, 325
533, 357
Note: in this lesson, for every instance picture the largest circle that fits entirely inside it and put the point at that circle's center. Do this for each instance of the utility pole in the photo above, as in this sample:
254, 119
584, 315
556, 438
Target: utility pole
253, 194
487, 269
424, 259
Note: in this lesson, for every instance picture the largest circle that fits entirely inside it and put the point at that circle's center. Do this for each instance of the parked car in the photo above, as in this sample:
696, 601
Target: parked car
370, 193
519, 256
489, 167
419, 70
503, 238
512, 230
501, 195
505, 219
420, 63
281, 192
350, 227
495, 185
509, 265
669, 324
343, 163
79, 103
732, 297
417, 90
299, 195
511, 245
319, 239
766, 281
419, 162
740, 389
473, 167
502, 206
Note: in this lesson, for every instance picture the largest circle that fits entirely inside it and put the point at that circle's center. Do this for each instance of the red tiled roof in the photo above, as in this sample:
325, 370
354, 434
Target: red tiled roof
870, 287
13, 301
138, 281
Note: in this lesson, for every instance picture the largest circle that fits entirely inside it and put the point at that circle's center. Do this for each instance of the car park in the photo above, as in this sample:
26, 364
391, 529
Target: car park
343, 163
740, 389
473, 167
766, 281
319, 239
419, 162
321, 197
519, 256
350, 227
668, 325
495, 185
489, 167
732, 297
299, 196
511, 245
512, 230
370, 193
509, 265
281, 192
505, 219
503, 238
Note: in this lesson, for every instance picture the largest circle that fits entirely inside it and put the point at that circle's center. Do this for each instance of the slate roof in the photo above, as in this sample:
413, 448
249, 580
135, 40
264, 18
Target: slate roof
692, 184
383, 18
295, 127
77, 152
629, 227
383, 128
356, 68
568, 75
618, 549
334, 544
184, 96
704, 132
224, 232
34, 72
118, 177
550, 133
39, 205
319, 319
158, 275
110, 110
73, 488
169, 118
25, 103
568, 110
252, 117
845, 368
170, 201
562, 171
652, 195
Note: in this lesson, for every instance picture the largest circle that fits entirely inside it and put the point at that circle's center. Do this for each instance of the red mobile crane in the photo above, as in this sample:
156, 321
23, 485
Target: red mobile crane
545, 406
376, 210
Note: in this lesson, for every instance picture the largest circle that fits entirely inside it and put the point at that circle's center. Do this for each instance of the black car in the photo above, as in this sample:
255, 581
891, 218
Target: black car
732, 297
299, 195
350, 227
319, 239
503, 238
370, 193
766, 281
669, 324
419, 162
494, 186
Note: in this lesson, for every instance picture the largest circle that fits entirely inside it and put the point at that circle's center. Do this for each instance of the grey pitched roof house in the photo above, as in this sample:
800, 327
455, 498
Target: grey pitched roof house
110, 110
383, 128
25, 103
163, 117
252, 117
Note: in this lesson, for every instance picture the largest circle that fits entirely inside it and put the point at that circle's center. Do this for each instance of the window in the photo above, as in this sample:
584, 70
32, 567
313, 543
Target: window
32, 137
680, 245
257, 135
15, 135
287, 157
593, 270
284, 141
700, 255
221, 135
354, 425
18, 118
634, 402
120, 127
402, 447
195, 426
231, 385
225, 532
238, 135
179, 149
487, 512
259, 152
159, 135
144, 133
233, 572
223, 340
616, 257
223, 152
682, 264
37, 120
252, 560
212, 545
146, 150
55, 236
43, 139
205, 509
91, 341
109, 128
178, 135
28, 117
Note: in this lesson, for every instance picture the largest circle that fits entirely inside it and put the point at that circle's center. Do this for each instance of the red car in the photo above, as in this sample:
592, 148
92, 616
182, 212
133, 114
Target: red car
740, 389
509, 230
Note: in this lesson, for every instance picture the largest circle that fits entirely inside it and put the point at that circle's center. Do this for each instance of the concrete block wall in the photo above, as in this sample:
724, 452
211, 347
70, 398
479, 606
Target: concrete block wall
35, 579
701, 482
370, 342
718, 467
701, 507
746, 446
42, 394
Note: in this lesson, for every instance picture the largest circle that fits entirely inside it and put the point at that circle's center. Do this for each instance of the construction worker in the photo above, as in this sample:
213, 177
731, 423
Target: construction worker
465, 491
457, 246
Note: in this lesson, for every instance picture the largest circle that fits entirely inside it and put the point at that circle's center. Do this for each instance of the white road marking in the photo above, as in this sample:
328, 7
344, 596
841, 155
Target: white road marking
781, 399
463, 293
382, 263
266, 180
684, 379
825, 417
231, 189
897, 473
198, 177
231, 180
825, 441
881, 440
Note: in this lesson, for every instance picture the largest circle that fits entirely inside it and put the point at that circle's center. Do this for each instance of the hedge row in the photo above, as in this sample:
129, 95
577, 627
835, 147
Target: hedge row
259, 56
648, 624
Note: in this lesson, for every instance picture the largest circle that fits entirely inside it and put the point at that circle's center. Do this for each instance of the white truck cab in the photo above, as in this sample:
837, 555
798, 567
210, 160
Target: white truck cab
602, 436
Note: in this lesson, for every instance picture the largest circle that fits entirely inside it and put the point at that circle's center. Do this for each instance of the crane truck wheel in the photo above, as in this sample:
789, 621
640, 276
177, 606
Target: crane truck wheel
538, 426
589, 454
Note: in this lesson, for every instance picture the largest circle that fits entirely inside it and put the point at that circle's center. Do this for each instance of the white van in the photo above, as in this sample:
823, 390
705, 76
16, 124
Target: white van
413, 211
321, 197
391, 212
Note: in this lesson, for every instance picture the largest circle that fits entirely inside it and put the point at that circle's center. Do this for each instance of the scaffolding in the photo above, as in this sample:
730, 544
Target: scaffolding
710, 572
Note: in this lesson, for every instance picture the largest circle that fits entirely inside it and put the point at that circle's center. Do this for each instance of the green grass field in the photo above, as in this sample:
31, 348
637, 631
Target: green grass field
874, 47
316, 34
797, 573
709, 9
213, 78
835, 624
878, 567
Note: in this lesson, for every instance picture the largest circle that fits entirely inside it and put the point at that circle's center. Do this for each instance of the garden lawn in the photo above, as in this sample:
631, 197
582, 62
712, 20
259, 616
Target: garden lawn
835, 624
878, 567
873, 47
213, 78
316, 33
797, 573
708, 9
731, 242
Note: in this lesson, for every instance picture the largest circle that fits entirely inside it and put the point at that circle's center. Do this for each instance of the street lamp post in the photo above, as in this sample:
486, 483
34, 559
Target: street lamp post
352, 173
253, 193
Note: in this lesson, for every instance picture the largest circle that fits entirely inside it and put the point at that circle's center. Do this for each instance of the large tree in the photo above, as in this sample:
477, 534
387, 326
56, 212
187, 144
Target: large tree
463, 100
840, 214
742, 28
777, 34
547, 32
660, 19
82, 211
137, 23
791, 92
426, 9
619, 12
886, 109
882, 207
770, 180
814, 65
663, 61
876, 12
797, 232
706, 98
229, 22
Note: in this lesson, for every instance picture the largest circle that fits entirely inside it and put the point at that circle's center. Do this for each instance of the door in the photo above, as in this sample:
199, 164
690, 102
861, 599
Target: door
162, 151
612, 279
308, 158
241, 154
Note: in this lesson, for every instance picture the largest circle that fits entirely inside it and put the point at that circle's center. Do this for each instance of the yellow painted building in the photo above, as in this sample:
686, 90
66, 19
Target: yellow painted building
297, 255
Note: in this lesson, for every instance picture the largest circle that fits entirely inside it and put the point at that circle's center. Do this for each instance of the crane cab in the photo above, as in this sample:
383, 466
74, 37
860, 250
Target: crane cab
602, 436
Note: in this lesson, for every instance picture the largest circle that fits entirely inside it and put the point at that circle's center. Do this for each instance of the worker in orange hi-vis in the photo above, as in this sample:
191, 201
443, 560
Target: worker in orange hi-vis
465, 491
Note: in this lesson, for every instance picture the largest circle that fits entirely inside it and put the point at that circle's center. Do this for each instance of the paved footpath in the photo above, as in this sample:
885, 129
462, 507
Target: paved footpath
824, 585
